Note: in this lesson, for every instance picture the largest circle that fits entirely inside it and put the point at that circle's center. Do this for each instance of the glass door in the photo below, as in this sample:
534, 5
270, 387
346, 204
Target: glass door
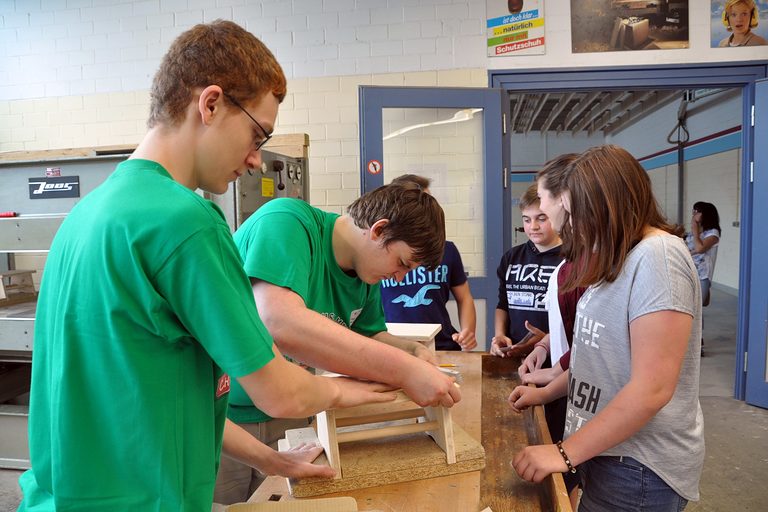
452, 136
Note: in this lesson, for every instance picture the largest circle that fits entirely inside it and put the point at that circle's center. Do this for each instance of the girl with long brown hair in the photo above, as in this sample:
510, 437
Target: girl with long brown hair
634, 425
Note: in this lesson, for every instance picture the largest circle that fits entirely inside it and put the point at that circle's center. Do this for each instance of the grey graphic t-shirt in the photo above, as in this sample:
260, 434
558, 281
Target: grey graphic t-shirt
658, 275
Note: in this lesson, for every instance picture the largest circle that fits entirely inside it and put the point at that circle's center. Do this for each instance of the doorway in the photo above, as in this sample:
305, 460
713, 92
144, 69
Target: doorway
649, 123
751, 330
743, 77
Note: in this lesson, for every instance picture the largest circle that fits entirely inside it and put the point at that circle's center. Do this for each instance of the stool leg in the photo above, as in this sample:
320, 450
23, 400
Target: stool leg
326, 433
444, 435
25, 283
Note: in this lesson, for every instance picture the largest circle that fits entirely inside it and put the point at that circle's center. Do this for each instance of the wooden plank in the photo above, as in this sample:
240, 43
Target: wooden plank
11, 273
378, 462
288, 144
453, 493
400, 403
503, 433
385, 431
64, 154
508, 433
344, 504
17, 298
293, 145
376, 418
416, 332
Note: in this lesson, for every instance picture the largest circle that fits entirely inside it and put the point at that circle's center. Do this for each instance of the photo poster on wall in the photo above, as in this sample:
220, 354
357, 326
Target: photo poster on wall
515, 27
620, 25
739, 23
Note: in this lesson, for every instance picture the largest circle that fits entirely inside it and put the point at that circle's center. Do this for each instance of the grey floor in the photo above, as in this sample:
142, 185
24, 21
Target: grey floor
736, 466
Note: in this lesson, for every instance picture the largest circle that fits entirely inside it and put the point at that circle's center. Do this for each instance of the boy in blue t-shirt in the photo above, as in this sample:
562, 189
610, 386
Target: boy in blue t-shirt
422, 294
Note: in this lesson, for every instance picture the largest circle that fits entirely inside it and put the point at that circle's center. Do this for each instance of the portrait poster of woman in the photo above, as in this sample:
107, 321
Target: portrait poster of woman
739, 23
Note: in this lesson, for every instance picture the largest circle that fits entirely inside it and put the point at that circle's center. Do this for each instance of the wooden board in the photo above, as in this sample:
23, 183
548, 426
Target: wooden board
416, 332
375, 462
506, 432
452, 493
344, 504
288, 144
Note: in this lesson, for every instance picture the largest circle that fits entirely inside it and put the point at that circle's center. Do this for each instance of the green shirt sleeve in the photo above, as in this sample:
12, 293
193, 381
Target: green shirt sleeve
277, 249
205, 285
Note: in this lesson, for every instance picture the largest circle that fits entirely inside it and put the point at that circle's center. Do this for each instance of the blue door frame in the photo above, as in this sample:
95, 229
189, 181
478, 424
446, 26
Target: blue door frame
753, 300
757, 387
374, 99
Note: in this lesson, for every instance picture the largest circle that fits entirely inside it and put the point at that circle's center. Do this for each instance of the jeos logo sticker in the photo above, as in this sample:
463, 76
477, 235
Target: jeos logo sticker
54, 186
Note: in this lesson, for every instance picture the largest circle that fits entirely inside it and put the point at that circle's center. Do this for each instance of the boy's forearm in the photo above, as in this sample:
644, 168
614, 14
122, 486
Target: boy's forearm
500, 321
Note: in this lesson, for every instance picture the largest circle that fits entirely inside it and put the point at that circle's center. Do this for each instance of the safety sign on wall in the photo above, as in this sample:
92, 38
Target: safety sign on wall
515, 27
374, 167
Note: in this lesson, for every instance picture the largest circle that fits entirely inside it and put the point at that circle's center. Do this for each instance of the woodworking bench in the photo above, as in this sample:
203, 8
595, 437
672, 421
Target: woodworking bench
487, 381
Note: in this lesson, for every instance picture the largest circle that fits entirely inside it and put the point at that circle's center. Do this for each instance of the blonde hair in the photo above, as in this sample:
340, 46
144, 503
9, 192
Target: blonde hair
749, 3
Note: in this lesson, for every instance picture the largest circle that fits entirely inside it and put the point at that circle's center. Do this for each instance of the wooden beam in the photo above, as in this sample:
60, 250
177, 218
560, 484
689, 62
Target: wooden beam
648, 107
556, 111
633, 100
539, 106
597, 110
580, 107
279, 143
518, 105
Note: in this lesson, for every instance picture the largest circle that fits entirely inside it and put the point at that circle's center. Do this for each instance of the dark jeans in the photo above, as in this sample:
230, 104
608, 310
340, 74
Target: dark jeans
622, 483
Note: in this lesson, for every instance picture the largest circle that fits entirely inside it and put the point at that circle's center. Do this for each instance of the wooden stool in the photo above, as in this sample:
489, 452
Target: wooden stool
435, 421
16, 285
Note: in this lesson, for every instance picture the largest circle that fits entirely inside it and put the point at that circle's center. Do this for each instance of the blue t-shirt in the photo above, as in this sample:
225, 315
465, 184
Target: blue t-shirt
422, 294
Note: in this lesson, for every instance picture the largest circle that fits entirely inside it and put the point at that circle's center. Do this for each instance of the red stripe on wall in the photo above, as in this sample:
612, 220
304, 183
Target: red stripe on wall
693, 142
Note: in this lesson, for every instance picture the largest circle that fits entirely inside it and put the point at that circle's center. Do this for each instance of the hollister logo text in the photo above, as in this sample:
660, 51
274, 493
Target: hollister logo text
223, 387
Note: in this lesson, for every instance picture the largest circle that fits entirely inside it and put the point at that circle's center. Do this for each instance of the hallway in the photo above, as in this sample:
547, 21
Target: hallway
736, 464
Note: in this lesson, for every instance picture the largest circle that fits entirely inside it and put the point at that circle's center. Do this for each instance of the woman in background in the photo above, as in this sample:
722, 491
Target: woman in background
702, 241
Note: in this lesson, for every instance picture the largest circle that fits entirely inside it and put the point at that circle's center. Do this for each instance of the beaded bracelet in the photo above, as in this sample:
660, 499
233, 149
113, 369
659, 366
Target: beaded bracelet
565, 457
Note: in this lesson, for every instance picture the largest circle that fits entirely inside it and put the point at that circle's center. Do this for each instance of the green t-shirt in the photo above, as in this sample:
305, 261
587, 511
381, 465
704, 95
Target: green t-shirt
143, 303
287, 242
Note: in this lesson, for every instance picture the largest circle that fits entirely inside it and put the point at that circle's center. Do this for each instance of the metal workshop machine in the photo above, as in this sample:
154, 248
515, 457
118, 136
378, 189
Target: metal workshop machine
38, 190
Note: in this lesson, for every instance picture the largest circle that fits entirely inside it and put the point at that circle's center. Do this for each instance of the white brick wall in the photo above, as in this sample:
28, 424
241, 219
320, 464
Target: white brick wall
447, 154
714, 179
63, 48
76, 72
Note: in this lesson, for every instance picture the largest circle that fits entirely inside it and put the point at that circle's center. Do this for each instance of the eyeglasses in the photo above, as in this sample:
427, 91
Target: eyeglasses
258, 144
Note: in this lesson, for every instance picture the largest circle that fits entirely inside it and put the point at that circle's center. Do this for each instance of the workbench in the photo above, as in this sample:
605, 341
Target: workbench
485, 415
